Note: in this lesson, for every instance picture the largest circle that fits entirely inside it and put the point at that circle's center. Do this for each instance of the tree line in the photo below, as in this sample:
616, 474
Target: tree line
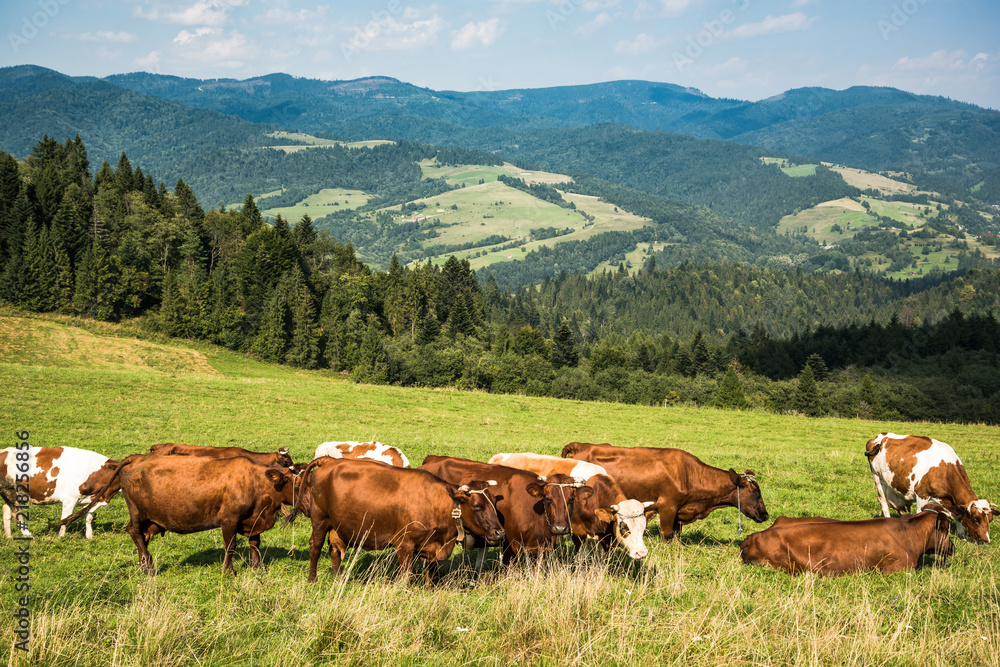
117, 244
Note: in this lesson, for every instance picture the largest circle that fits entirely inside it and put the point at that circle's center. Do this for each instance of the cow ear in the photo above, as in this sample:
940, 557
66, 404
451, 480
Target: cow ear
536, 490
604, 515
459, 493
276, 478
584, 492
735, 478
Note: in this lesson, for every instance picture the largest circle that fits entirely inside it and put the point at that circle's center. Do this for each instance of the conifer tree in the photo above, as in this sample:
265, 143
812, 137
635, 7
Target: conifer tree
730, 393
271, 340
429, 330
806, 398
373, 362
820, 371
564, 352
304, 348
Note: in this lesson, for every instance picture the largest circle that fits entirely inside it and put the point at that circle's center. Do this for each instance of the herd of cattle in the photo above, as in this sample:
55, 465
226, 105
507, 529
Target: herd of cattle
366, 495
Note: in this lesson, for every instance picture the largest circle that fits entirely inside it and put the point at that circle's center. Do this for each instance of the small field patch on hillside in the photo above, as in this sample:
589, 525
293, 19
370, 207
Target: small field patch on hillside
37, 342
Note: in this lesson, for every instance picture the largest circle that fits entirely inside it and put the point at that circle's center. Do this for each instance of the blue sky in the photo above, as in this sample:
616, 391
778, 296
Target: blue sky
745, 49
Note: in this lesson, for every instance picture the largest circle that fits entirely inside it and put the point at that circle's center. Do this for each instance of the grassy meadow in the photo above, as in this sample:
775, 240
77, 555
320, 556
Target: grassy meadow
115, 390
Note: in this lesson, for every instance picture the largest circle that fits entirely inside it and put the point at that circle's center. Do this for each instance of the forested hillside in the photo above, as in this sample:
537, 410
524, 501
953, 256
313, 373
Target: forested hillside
120, 245
944, 142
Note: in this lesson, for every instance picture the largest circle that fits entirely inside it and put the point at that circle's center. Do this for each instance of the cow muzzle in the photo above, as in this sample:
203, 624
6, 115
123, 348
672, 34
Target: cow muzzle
497, 537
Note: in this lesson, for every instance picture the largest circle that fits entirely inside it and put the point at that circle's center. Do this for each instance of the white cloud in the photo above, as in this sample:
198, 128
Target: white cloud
184, 37
108, 36
473, 34
602, 20
284, 15
202, 12
390, 34
213, 46
942, 60
641, 45
676, 7
150, 61
772, 25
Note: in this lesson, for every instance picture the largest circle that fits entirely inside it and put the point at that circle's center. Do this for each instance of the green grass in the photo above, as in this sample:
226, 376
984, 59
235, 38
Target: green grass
691, 602
800, 170
492, 208
466, 174
324, 202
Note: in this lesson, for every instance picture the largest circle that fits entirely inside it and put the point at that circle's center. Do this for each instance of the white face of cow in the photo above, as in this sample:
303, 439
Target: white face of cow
976, 520
630, 526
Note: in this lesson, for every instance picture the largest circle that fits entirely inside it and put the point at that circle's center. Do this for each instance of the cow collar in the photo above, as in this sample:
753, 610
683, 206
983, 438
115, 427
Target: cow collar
456, 514
577, 482
739, 509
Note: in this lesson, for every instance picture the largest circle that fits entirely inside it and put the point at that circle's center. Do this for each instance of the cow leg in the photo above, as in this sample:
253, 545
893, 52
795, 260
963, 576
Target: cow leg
139, 537
406, 556
481, 559
320, 529
6, 519
880, 490
229, 543
254, 551
669, 526
430, 569
338, 549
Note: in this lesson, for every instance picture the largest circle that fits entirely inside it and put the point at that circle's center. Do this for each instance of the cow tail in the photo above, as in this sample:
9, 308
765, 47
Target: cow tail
99, 495
300, 491
873, 451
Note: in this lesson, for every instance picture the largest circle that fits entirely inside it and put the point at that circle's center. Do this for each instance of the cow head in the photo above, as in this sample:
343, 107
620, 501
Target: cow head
976, 519
284, 459
629, 517
478, 508
939, 541
748, 495
557, 493
284, 483
99, 479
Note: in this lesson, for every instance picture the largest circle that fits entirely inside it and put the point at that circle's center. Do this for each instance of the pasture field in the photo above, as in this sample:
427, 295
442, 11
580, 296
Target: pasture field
90, 385
324, 202
492, 208
315, 142
863, 180
471, 174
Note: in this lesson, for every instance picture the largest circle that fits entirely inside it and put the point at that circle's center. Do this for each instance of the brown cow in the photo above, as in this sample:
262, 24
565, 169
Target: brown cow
606, 515
374, 506
826, 546
683, 488
189, 494
534, 511
279, 458
910, 468
50, 475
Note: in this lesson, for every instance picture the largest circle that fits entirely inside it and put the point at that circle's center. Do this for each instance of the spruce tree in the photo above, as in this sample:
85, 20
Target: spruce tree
373, 362
271, 340
304, 350
730, 393
806, 398
564, 352
429, 330
820, 371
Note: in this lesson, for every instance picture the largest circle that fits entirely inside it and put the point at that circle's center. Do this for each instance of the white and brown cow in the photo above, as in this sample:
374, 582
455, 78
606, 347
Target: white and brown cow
608, 515
910, 469
63, 475
374, 451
